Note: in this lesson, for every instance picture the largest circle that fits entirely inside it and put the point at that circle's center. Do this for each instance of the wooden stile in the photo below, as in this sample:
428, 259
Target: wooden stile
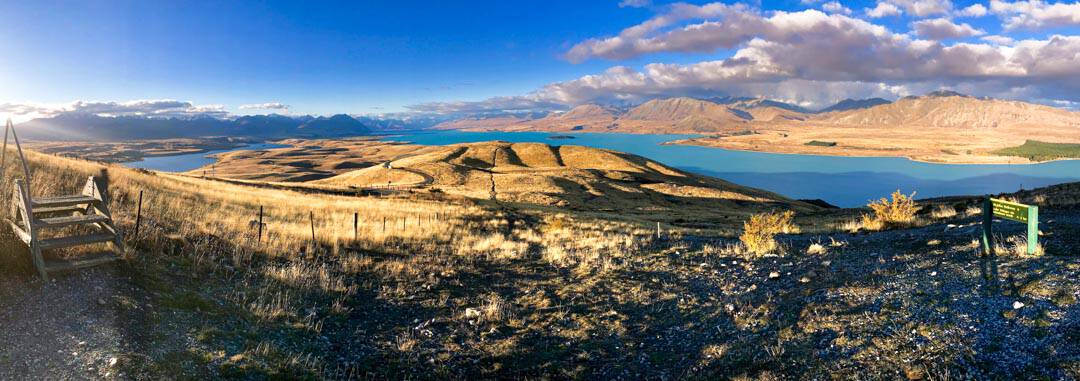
30, 217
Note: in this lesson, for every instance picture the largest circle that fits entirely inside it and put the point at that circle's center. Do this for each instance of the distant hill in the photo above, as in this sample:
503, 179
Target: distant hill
664, 115
854, 104
337, 125
951, 109
81, 126
577, 177
90, 127
735, 114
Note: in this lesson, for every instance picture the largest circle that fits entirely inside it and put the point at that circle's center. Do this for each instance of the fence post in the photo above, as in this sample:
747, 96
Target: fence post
138, 215
1033, 229
311, 217
384, 224
260, 223
988, 230
355, 224
657, 229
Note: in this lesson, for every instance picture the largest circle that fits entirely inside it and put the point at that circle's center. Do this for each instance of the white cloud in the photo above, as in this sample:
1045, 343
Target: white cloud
1036, 14
794, 55
974, 10
634, 3
266, 106
637, 40
164, 108
943, 29
883, 10
152, 107
835, 7
923, 8
998, 40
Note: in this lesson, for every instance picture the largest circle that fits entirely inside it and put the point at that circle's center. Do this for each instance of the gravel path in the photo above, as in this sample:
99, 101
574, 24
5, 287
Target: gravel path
66, 328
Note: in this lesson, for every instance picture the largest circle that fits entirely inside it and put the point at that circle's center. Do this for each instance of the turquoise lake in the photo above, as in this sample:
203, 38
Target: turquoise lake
187, 162
839, 180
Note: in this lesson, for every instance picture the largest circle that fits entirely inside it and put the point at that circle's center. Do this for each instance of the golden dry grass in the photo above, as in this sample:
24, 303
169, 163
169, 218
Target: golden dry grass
898, 211
760, 230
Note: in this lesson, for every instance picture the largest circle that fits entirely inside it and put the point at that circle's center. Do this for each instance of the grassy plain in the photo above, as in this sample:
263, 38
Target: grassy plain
1035, 150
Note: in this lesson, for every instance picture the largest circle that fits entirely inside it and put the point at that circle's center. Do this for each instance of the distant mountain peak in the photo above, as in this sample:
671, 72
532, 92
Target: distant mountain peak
855, 104
945, 93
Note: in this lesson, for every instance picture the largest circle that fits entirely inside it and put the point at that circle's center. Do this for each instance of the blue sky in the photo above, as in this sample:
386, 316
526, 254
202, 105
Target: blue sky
375, 57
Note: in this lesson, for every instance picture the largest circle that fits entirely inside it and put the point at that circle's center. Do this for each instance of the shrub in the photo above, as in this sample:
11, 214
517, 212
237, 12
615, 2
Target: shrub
899, 211
943, 212
759, 231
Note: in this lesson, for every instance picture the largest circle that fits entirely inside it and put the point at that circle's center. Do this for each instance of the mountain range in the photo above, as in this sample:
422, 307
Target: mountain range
91, 127
736, 115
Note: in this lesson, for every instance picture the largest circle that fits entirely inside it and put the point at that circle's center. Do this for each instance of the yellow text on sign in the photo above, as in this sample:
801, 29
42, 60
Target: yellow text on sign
1010, 210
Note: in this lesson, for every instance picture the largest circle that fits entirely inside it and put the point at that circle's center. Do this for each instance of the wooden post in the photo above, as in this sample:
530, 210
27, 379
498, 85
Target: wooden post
384, 224
657, 229
260, 223
355, 224
138, 215
22, 158
311, 217
1033, 229
3, 153
988, 230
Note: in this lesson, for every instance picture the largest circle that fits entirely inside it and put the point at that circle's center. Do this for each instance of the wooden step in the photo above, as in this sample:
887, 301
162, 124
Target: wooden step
56, 243
63, 201
59, 209
52, 265
53, 222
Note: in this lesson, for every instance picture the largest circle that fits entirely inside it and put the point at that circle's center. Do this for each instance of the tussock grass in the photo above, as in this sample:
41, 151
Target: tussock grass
760, 230
885, 213
1016, 246
941, 212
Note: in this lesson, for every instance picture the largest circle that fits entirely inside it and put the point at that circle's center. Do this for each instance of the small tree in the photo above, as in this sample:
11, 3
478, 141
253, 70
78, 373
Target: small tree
900, 210
760, 230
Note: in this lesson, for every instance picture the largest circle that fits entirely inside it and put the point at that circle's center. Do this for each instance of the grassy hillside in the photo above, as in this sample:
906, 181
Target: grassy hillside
575, 178
461, 288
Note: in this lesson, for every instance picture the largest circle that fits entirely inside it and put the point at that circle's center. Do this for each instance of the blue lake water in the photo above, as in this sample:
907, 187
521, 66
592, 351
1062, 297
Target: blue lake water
187, 162
842, 181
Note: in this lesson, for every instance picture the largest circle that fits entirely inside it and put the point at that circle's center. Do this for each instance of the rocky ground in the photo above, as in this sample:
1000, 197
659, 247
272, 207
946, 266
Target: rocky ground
916, 303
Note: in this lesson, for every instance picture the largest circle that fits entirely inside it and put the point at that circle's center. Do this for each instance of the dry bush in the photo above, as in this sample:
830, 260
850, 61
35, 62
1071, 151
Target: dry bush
816, 249
1015, 246
943, 211
759, 231
899, 211
851, 226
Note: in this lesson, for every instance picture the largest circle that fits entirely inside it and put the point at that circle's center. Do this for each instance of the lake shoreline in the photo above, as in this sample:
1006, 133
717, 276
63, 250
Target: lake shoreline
687, 142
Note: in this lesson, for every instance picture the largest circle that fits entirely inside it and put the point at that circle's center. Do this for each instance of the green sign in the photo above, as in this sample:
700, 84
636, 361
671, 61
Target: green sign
1028, 214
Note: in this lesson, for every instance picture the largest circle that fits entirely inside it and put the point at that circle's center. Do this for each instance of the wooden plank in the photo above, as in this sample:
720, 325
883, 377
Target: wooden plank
56, 243
62, 201
83, 262
24, 236
69, 220
59, 209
